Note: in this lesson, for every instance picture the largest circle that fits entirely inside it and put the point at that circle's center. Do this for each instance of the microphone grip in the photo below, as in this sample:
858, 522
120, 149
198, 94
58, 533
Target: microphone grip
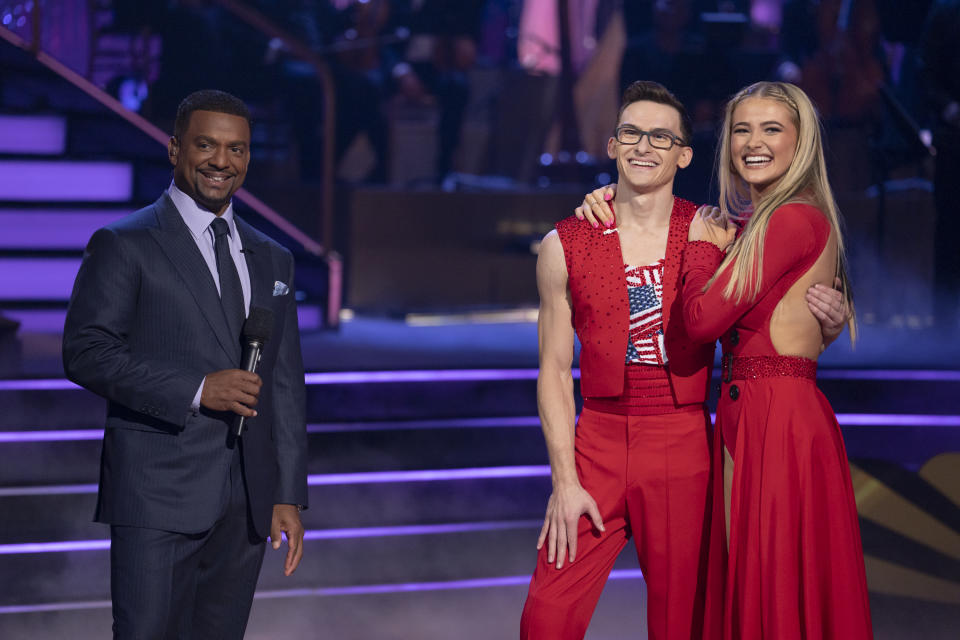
249, 362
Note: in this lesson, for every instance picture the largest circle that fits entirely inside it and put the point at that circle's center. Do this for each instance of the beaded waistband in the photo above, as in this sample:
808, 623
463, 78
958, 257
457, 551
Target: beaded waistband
749, 367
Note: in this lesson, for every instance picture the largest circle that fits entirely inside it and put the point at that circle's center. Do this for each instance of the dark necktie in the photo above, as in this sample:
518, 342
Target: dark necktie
231, 293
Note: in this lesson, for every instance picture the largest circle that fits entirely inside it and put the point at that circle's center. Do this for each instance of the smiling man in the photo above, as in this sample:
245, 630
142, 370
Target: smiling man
154, 326
638, 462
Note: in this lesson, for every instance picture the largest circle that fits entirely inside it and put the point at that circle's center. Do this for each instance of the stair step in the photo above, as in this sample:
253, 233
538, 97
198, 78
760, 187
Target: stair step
65, 180
48, 316
46, 320
465, 609
440, 610
43, 135
38, 279
328, 563
355, 396
39, 462
53, 229
64, 517
350, 396
49, 456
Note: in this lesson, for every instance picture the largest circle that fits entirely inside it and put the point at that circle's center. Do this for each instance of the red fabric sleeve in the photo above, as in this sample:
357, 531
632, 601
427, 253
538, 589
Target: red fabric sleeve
795, 232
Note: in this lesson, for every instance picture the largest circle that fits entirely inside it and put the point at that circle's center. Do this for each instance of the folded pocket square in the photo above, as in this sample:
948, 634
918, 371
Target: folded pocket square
280, 289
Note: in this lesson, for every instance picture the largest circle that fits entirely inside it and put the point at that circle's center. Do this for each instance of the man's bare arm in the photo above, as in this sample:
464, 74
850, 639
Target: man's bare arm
569, 501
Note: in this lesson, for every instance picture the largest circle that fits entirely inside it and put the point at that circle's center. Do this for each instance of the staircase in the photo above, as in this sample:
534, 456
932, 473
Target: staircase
427, 491
68, 166
50, 205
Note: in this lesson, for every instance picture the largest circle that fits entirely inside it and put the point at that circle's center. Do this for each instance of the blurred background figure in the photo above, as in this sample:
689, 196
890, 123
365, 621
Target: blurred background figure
439, 57
941, 76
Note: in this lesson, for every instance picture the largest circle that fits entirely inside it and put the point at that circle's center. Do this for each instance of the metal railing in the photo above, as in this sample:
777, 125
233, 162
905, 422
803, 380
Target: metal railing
302, 51
26, 25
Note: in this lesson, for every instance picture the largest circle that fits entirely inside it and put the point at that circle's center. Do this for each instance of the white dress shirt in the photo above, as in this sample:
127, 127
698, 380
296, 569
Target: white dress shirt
198, 220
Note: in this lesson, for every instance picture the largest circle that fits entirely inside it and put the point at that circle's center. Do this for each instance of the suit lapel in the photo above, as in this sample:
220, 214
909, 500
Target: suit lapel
178, 244
259, 265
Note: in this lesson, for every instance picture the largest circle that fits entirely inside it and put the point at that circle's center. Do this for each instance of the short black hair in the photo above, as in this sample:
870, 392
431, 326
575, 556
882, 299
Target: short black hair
656, 92
209, 100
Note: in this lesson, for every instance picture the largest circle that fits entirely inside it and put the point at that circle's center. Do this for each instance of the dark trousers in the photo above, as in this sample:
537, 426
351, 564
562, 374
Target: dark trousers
168, 585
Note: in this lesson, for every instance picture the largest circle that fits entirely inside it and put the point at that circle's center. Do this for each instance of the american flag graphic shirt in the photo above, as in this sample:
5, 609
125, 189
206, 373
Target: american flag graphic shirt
645, 293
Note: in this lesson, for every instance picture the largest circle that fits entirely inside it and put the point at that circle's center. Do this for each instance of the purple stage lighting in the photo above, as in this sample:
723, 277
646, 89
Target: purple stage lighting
518, 422
353, 590
41, 135
430, 375
65, 181
25, 548
62, 229
428, 475
37, 278
468, 375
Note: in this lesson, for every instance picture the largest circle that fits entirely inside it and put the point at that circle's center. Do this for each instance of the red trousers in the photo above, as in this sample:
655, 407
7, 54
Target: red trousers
649, 476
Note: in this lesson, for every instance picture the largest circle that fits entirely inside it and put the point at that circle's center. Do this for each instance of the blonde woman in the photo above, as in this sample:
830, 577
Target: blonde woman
794, 563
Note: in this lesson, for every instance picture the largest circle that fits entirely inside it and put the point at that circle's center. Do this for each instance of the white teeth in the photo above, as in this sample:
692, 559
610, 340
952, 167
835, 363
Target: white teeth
642, 163
757, 159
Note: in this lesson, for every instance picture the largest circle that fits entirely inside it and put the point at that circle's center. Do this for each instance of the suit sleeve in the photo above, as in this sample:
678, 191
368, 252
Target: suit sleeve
290, 433
790, 239
96, 353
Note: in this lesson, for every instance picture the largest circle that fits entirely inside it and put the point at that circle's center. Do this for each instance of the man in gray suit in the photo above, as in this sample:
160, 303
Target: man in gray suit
154, 326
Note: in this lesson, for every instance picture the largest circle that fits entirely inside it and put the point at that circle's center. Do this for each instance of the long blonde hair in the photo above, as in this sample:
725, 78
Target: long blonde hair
804, 181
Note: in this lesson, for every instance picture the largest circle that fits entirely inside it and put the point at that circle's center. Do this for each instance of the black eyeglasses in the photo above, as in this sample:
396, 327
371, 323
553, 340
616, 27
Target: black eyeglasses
658, 138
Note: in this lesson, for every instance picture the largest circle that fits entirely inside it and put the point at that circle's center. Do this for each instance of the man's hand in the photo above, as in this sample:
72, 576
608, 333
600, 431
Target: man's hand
708, 227
596, 207
286, 519
830, 308
559, 530
231, 390
711, 214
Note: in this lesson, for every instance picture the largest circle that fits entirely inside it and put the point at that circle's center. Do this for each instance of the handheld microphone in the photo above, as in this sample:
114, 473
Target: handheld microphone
257, 329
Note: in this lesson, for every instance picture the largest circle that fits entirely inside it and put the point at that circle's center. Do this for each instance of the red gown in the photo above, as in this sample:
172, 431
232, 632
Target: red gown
795, 565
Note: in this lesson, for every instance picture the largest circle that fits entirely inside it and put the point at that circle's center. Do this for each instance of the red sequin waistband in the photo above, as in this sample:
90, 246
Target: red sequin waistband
646, 392
749, 367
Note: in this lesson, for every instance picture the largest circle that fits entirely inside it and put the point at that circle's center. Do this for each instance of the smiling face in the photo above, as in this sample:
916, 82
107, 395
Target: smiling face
763, 141
643, 168
210, 159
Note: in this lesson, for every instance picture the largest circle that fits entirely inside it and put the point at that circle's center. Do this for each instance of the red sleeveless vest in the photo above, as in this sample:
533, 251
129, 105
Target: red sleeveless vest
601, 313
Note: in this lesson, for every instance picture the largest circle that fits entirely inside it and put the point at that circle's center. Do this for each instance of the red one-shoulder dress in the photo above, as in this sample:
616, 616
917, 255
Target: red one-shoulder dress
795, 567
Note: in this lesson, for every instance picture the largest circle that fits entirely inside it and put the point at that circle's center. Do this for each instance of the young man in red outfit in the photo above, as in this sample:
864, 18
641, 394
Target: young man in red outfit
638, 462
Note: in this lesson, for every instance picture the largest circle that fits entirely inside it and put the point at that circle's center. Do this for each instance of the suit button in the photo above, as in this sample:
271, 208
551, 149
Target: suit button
734, 337
734, 392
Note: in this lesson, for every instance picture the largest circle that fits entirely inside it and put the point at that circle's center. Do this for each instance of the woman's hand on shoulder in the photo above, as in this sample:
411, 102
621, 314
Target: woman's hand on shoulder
595, 207
710, 225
